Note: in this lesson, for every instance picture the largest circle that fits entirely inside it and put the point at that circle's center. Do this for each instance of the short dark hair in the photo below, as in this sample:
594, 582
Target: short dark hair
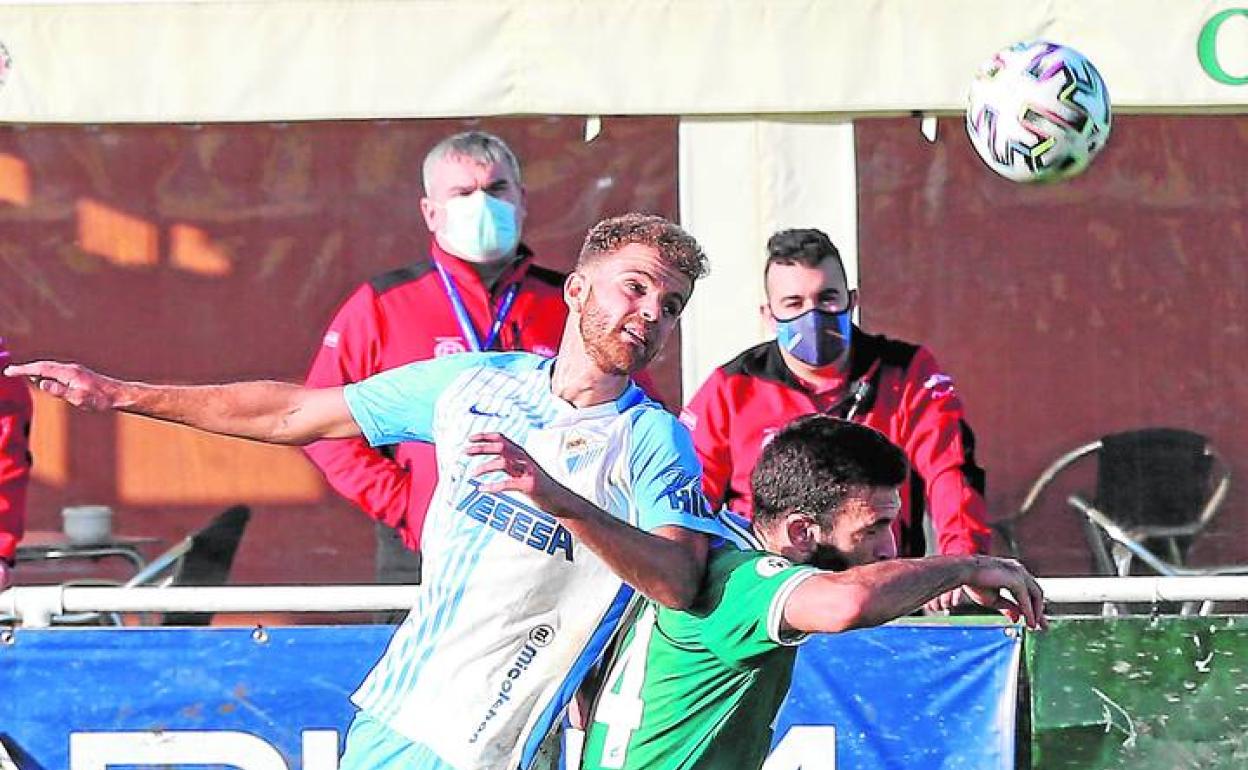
802, 246
813, 464
676, 247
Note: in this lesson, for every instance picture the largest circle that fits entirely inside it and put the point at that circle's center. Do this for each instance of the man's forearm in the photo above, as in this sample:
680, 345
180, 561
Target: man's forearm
873, 594
263, 411
666, 567
901, 586
274, 412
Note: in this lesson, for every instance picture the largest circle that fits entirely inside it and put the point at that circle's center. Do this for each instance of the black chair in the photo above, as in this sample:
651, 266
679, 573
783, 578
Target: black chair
1157, 489
208, 560
202, 558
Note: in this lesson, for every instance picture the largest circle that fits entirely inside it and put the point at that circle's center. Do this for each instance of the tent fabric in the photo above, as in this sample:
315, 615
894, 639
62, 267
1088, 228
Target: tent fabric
260, 60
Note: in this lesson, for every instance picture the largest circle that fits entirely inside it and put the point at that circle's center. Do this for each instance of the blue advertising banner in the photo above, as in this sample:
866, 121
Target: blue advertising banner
277, 699
263, 699
905, 696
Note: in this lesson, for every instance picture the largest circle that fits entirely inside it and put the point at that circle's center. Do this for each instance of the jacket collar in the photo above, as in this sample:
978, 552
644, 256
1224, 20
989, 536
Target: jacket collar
766, 362
466, 277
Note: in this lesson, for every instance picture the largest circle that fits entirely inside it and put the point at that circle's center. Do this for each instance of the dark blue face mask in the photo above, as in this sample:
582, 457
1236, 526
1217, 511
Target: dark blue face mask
815, 337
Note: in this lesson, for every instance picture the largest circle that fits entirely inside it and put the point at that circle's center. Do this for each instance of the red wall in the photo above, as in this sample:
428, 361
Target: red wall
210, 253
1113, 301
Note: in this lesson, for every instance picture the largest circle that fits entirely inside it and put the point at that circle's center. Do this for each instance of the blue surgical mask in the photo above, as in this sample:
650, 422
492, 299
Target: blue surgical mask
815, 337
480, 228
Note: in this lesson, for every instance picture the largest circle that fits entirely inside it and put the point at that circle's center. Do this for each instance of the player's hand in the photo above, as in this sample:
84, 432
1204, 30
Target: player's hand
6, 575
1005, 585
947, 601
74, 383
519, 471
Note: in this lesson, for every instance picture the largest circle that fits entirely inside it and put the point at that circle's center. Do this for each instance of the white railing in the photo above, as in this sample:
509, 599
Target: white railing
35, 606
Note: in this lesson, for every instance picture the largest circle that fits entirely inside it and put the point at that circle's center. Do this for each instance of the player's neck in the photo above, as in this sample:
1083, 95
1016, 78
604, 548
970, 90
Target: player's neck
577, 380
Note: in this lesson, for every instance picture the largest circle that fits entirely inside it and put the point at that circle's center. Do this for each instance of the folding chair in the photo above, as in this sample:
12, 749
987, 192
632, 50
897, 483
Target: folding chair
202, 558
1156, 490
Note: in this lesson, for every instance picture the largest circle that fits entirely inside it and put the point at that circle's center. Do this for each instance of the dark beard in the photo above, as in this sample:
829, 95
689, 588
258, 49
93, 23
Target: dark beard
610, 354
829, 558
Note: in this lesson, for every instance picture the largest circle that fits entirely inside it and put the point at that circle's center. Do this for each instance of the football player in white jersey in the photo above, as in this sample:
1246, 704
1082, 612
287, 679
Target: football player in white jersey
560, 483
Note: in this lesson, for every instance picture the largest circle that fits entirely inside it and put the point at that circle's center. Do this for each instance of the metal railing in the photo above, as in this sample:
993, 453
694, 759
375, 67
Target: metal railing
35, 606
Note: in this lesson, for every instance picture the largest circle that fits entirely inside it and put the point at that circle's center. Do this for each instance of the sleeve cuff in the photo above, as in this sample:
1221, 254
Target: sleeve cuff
776, 615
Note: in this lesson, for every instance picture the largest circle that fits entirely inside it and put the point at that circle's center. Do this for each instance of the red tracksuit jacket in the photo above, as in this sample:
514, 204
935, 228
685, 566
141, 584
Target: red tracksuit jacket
910, 400
402, 316
15, 412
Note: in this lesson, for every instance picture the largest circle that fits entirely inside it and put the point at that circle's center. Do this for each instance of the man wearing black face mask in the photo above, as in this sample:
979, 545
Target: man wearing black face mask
821, 362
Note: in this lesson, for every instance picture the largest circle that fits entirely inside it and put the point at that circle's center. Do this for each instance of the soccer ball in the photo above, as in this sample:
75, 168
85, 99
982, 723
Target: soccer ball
1038, 112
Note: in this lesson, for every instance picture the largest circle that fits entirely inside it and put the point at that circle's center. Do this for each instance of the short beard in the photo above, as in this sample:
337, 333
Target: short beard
608, 353
829, 558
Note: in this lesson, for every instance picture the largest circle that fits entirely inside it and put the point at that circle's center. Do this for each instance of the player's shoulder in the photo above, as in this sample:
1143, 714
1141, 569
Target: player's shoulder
506, 365
733, 574
513, 360
728, 558
654, 426
458, 364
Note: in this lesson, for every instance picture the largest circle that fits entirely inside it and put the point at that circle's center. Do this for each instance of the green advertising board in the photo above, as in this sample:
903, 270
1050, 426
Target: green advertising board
1162, 693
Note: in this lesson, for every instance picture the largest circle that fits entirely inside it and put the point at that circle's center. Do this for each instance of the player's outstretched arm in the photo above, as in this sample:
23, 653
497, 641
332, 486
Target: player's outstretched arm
272, 412
877, 593
666, 565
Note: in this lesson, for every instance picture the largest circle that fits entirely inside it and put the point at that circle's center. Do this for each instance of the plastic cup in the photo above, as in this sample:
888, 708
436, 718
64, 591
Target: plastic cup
87, 524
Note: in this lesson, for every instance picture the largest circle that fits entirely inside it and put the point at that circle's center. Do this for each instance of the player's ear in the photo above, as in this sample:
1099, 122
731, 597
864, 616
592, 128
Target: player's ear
429, 210
769, 319
575, 290
800, 532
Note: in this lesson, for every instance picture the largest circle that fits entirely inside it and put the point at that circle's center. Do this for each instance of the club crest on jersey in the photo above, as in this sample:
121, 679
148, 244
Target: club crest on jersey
523, 523
771, 566
448, 346
580, 451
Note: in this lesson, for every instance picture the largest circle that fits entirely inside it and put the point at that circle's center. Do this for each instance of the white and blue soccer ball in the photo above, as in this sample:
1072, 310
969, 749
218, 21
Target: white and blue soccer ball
1038, 112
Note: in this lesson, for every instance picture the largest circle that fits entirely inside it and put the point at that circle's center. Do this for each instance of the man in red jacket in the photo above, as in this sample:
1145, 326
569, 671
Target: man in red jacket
821, 362
15, 413
476, 288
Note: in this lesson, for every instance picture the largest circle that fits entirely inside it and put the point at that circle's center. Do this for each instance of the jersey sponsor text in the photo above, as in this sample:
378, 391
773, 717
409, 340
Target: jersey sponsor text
523, 523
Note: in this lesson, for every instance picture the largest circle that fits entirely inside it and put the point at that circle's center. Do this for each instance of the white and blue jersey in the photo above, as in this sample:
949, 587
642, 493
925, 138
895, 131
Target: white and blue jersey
513, 610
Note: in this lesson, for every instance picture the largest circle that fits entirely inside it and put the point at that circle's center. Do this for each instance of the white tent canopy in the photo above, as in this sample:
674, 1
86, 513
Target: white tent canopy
766, 88
256, 60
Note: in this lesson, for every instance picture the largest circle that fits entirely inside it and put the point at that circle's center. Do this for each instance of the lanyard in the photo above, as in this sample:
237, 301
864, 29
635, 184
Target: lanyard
461, 312
860, 392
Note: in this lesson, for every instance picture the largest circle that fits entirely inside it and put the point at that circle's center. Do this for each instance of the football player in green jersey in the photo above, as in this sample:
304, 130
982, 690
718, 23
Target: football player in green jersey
700, 688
